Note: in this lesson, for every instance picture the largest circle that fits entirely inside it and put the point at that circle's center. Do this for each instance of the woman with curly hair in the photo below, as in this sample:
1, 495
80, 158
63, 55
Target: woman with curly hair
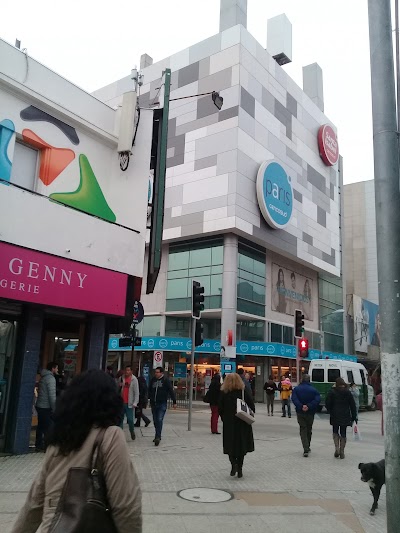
90, 405
237, 436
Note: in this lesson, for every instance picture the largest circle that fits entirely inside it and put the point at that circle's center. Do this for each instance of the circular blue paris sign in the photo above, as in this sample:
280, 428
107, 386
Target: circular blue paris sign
274, 194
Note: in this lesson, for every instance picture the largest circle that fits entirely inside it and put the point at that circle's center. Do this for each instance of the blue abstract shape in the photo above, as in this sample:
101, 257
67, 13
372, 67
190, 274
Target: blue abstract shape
7, 130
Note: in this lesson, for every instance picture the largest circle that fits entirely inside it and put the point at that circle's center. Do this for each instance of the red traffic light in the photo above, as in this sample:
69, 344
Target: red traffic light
303, 347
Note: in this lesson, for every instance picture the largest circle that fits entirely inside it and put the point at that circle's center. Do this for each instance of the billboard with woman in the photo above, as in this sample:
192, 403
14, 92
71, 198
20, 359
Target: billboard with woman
291, 291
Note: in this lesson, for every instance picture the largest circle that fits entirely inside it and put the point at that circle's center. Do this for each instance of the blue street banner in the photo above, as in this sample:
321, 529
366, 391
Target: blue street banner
243, 348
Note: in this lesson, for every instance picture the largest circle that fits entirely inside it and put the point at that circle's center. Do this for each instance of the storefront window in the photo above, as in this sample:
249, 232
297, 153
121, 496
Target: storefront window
287, 335
177, 326
201, 261
7, 351
151, 326
331, 312
251, 281
276, 332
250, 330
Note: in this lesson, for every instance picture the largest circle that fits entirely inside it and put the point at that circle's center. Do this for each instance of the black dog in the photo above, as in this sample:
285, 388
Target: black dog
374, 475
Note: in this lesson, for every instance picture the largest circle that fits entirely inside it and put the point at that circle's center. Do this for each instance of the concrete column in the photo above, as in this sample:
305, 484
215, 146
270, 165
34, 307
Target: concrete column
229, 287
95, 342
232, 12
313, 84
28, 350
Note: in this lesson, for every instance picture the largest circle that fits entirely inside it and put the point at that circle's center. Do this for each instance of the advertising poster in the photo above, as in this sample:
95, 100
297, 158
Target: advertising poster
291, 291
367, 324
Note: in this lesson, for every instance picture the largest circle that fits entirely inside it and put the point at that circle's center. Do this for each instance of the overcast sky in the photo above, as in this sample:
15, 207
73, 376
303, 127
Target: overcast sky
94, 43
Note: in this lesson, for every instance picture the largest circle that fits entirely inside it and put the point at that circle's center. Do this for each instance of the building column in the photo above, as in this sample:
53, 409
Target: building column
96, 342
229, 287
28, 352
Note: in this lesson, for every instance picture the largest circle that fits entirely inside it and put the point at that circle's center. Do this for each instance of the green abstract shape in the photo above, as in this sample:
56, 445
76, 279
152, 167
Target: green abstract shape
88, 197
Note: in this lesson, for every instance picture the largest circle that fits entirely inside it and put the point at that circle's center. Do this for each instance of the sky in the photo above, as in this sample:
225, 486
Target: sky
94, 43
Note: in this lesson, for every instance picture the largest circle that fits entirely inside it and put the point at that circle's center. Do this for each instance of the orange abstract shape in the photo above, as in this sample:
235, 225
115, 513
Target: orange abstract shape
52, 160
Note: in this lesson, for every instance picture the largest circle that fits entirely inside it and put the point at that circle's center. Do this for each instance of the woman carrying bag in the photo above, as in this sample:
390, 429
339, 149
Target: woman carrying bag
237, 435
86, 459
341, 406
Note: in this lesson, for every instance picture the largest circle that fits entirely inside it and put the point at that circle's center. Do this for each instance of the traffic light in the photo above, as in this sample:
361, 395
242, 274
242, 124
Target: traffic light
197, 299
303, 347
298, 323
198, 337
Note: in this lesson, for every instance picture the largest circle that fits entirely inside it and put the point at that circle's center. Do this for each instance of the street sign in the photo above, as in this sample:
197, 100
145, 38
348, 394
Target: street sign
180, 370
158, 359
138, 313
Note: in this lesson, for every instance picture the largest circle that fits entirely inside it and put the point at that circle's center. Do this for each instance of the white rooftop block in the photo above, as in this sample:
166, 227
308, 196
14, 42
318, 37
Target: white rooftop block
279, 39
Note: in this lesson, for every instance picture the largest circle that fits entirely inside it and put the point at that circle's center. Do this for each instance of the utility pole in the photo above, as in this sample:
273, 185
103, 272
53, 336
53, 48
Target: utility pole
193, 323
387, 202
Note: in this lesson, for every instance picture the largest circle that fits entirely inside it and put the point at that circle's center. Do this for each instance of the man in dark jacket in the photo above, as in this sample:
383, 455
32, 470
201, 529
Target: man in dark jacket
270, 389
159, 390
45, 403
306, 400
245, 381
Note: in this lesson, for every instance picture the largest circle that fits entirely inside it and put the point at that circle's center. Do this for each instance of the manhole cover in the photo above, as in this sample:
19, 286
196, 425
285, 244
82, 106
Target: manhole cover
204, 495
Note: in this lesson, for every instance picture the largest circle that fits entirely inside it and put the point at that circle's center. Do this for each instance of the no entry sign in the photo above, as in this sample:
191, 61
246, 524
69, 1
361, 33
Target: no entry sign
158, 359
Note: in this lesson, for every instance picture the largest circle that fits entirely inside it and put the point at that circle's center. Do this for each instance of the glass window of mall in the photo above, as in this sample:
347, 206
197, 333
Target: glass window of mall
251, 281
331, 312
202, 261
178, 326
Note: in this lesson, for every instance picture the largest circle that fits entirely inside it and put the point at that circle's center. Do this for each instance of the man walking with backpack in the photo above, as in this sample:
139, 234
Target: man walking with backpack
159, 390
306, 400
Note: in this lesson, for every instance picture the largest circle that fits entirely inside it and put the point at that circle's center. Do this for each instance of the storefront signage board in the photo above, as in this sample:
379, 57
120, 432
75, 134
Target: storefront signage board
39, 278
274, 194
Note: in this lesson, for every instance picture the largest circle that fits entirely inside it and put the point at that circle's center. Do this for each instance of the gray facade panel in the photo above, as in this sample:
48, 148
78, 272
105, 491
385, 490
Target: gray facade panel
226, 162
178, 159
247, 102
268, 101
316, 179
293, 156
216, 82
307, 238
321, 216
297, 196
291, 105
188, 74
196, 124
173, 196
231, 112
205, 107
212, 203
205, 162
184, 220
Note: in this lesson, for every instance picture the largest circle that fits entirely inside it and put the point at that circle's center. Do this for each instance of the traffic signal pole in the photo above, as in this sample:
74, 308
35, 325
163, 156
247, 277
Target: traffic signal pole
387, 202
191, 380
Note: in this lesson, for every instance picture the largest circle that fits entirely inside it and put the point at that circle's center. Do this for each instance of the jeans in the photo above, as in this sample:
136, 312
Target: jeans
158, 410
340, 430
214, 418
43, 427
128, 412
284, 404
305, 421
270, 403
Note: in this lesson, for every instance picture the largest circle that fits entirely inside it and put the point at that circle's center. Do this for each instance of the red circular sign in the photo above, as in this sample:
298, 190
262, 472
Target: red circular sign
328, 145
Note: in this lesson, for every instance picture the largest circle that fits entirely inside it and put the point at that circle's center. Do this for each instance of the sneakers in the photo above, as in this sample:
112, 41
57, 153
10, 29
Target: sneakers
305, 454
157, 441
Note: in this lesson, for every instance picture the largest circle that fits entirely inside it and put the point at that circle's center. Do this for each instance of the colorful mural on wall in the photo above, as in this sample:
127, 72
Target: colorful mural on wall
7, 130
88, 197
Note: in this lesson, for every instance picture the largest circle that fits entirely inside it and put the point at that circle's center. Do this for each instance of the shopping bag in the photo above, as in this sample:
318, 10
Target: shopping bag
243, 411
356, 432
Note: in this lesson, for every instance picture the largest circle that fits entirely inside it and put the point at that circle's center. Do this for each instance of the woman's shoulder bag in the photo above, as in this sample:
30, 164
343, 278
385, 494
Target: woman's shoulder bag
83, 506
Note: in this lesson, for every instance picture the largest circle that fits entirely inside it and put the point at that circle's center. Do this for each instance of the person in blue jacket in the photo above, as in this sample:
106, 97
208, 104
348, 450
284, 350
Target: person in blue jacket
306, 399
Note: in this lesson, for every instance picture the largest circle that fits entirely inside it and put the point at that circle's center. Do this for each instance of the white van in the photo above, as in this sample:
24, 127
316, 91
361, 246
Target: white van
324, 372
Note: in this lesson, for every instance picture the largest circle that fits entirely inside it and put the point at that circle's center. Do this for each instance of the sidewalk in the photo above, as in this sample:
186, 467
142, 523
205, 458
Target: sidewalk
280, 491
